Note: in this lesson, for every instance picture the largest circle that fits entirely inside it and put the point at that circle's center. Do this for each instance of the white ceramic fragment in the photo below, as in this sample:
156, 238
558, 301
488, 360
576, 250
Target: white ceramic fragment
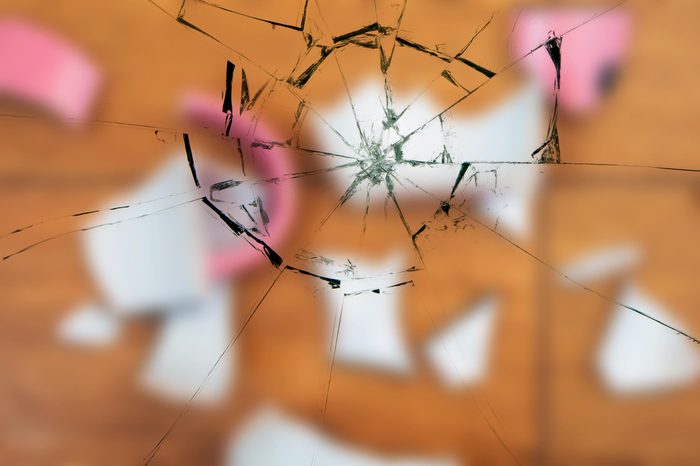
89, 325
191, 340
639, 355
273, 439
459, 354
602, 263
365, 316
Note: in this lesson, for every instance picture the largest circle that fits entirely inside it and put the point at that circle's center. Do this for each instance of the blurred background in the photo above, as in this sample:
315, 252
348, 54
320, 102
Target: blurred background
474, 310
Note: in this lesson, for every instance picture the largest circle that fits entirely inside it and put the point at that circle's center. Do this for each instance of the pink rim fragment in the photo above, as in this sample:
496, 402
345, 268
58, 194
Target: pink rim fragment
280, 197
42, 68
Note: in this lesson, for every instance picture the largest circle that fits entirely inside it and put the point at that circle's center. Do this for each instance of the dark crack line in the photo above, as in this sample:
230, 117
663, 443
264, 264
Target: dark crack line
414, 163
231, 183
88, 121
449, 59
181, 19
385, 62
335, 350
333, 282
349, 192
363, 137
322, 153
572, 29
157, 5
378, 290
374, 27
447, 68
398, 27
239, 230
368, 199
407, 227
77, 230
293, 27
90, 212
190, 159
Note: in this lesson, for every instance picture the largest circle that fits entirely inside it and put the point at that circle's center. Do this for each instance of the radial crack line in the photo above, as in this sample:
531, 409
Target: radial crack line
363, 138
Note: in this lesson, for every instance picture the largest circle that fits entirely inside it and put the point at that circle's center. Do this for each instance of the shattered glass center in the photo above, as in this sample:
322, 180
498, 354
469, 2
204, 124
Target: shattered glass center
377, 162
380, 153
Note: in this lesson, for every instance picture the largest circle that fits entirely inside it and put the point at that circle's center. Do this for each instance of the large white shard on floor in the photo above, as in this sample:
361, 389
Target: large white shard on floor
272, 439
459, 354
191, 340
365, 317
158, 259
639, 355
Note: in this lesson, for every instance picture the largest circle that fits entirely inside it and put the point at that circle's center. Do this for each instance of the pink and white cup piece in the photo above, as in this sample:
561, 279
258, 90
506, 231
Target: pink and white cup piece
155, 256
268, 164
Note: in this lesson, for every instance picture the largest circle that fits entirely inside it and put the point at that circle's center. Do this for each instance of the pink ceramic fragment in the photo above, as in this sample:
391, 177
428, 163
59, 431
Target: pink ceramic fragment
42, 68
591, 53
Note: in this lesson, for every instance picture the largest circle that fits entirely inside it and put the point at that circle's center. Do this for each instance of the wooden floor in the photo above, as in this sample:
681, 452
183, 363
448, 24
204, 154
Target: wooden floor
65, 406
